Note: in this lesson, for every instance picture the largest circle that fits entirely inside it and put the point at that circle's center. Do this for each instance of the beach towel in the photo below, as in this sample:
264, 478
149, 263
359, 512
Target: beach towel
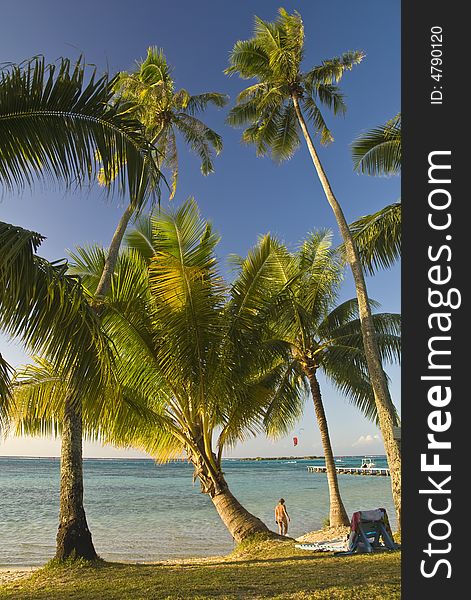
332, 546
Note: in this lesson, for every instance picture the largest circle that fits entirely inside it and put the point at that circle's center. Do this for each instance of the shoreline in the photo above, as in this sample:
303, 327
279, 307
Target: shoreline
12, 573
225, 458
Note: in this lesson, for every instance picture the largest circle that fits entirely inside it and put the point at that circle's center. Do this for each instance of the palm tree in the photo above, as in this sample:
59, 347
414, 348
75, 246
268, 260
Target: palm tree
50, 312
165, 111
150, 97
186, 353
321, 335
143, 118
55, 125
274, 109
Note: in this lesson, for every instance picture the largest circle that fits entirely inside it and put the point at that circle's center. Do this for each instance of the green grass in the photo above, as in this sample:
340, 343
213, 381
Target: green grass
260, 569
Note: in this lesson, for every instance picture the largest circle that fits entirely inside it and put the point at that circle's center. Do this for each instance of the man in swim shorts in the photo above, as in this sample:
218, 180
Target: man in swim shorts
282, 517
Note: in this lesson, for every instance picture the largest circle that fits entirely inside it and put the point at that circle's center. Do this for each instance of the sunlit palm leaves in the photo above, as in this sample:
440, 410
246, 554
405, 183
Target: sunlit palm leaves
55, 124
164, 112
378, 151
190, 355
273, 57
301, 311
378, 238
49, 312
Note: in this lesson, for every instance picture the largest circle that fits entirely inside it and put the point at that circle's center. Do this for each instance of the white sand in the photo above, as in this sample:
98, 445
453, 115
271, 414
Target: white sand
326, 535
9, 574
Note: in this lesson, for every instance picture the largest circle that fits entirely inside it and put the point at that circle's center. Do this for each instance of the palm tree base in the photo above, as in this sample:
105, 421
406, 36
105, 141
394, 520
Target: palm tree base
238, 520
74, 541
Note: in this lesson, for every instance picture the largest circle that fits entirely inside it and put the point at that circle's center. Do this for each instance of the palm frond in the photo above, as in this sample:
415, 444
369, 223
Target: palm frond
315, 116
6, 372
378, 237
249, 59
140, 237
331, 71
202, 140
49, 311
55, 125
286, 140
200, 102
378, 151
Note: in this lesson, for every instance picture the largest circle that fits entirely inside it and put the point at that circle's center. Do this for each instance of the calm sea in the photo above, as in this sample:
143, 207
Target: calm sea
138, 510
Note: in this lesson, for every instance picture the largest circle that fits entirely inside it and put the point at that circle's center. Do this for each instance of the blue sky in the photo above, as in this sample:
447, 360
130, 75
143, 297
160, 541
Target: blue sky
246, 196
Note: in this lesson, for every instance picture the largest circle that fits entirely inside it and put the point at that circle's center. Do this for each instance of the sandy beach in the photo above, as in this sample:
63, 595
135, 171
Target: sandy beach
329, 534
9, 574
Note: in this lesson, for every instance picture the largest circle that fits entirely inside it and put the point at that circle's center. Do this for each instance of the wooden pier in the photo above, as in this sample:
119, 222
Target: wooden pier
352, 470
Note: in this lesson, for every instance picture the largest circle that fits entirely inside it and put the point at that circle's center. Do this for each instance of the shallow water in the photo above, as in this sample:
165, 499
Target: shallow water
141, 511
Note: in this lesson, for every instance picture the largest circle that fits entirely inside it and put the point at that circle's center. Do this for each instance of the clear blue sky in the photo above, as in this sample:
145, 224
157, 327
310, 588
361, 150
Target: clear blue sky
247, 196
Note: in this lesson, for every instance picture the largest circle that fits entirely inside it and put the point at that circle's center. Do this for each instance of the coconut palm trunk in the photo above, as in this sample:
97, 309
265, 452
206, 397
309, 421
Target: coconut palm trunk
378, 380
74, 539
337, 513
240, 523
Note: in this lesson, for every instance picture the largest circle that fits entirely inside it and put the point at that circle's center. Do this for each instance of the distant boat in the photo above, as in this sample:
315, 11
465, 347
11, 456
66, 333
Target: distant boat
367, 463
291, 462
338, 460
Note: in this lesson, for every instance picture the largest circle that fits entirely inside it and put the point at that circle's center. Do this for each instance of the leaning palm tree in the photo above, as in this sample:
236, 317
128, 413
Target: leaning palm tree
322, 336
274, 108
193, 358
149, 98
56, 125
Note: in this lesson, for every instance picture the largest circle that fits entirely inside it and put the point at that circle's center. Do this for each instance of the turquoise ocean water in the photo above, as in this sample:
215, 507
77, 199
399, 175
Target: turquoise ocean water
140, 511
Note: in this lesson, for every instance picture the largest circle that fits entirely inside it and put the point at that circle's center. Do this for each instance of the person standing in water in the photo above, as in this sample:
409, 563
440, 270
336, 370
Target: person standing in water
282, 517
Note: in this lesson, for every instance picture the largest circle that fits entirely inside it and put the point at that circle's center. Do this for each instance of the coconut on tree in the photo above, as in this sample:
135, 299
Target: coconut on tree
276, 111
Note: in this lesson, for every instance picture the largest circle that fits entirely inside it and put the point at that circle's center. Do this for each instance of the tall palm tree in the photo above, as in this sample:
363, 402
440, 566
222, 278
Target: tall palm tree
56, 125
193, 358
165, 111
322, 335
150, 97
274, 108
50, 313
